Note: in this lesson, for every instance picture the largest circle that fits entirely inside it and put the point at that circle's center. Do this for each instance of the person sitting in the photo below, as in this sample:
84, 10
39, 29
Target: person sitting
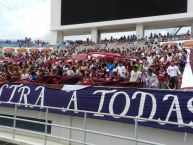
34, 76
16, 75
87, 80
94, 75
138, 65
110, 67
114, 76
2, 76
25, 75
108, 77
70, 71
143, 75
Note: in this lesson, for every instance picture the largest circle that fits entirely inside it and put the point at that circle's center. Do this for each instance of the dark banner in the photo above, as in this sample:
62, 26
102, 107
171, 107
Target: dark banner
172, 106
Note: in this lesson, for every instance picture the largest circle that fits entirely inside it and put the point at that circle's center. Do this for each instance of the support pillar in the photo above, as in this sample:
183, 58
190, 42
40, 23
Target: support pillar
192, 29
56, 37
140, 30
95, 35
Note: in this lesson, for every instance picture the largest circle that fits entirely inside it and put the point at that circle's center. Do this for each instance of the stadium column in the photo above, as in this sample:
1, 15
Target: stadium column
192, 29
56, 37
95, 35
140, 30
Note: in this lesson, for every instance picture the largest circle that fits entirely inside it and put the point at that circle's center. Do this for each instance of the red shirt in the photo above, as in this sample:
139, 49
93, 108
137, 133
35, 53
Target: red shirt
94, 75
162, 76
165, 64
87, 81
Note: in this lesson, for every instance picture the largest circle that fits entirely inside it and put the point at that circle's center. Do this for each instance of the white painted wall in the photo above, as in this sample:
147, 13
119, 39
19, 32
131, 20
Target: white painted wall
140, 30
55, 13
190, 6
95, 35
56, 37
145, 133
192, 28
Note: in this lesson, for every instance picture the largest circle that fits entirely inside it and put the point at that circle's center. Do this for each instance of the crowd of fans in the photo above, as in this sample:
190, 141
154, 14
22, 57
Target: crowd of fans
152, 38
40, 43
156, 67
153, 65
26, 42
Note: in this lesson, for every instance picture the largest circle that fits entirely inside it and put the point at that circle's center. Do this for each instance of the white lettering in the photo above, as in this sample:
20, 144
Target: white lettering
73, 99
25, 91
41, 96
127, 105
142, 103
104, 92
190, 108
174, 107
14, 90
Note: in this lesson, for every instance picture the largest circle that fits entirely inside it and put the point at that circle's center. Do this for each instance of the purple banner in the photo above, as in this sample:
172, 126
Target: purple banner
164, 105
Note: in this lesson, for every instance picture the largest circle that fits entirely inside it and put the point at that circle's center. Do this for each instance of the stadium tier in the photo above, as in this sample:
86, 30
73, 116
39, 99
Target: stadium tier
132, 90
124, 62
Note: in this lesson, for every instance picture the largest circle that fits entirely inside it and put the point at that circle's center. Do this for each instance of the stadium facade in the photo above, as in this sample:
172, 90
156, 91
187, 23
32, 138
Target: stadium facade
41, 115
134, 24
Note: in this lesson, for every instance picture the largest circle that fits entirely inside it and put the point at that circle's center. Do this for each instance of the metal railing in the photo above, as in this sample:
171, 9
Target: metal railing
84, 130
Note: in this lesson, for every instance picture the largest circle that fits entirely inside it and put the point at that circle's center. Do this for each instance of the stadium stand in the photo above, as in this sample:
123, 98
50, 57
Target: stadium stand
127, 61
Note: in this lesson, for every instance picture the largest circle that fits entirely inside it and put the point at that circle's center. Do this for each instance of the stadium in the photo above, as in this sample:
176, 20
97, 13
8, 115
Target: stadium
135, 89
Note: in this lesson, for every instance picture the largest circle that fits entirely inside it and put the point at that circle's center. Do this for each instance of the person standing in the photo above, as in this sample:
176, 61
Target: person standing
121, 71
110, 67
151, 80
163, 78
135, 75
173, 72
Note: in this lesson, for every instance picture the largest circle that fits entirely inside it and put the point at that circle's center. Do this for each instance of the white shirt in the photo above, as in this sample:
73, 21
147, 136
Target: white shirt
162, 59
173, 71
121, 71
152, 81
150, 60
25, 76
169, 58
146, 65
180, 48
135, 76
70, 72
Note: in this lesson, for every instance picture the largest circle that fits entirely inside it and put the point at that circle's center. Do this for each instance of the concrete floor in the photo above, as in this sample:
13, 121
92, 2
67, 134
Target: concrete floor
23, 140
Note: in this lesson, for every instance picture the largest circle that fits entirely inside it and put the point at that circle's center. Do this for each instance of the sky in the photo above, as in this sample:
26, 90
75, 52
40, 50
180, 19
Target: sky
21, 18
31, 18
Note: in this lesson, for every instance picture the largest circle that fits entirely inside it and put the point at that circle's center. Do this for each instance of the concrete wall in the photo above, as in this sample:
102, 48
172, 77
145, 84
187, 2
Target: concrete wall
120, 23
145, 133
55, 13
190, 6
56, 37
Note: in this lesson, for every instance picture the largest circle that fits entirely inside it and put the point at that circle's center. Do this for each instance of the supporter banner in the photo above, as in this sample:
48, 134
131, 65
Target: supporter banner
174, 106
